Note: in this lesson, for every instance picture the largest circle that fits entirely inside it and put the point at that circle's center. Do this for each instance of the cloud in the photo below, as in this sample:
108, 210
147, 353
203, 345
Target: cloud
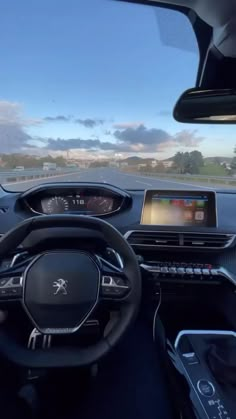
139, 140
143, 139
128, 139
89, 122
13, 137
143, 135
126, 125
188, 138
58, 118
11, 114
90, 144
77, 143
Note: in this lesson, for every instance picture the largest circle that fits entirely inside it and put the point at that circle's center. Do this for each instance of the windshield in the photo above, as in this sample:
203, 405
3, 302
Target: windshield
87, 93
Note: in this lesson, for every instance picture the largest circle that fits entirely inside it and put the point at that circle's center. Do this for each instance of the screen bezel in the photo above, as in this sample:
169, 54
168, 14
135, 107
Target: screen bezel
212, 209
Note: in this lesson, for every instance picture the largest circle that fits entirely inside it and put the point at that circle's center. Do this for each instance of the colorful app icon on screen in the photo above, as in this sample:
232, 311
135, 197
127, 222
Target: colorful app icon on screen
188, 203
165, 201
188, 215
200, 204
177, 202
199, 215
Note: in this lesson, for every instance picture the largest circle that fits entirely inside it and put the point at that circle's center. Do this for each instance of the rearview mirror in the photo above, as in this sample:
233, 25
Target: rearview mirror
206, 107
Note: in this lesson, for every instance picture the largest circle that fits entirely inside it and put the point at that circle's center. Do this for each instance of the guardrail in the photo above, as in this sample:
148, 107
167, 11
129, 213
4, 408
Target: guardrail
12, 176
216, 180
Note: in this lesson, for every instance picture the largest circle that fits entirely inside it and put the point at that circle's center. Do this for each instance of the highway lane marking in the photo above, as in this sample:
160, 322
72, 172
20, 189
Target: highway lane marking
143, 183
38, 179
169, 181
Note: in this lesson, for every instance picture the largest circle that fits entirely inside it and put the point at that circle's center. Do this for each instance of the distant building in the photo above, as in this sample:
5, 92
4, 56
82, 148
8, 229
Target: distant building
154, 163
226, 165
167, 163
124, 164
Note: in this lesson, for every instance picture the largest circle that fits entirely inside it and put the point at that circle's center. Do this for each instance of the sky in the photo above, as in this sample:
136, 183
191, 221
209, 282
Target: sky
98, 78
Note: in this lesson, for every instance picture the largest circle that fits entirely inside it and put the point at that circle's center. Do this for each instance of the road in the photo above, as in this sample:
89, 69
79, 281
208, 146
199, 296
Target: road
111, 176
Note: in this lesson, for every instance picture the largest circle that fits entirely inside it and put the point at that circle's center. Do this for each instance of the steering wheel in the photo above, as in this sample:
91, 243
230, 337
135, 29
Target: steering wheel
60, 289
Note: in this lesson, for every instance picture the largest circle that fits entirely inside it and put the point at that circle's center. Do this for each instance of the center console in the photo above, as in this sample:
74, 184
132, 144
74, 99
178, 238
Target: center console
207, 361
178, 242
189, 269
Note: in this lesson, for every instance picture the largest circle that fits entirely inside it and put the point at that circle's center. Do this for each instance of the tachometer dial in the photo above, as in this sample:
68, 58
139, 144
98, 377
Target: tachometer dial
57, 205
100, 204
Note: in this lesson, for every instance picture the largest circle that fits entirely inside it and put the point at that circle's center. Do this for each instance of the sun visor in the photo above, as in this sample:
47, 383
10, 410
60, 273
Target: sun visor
220, 15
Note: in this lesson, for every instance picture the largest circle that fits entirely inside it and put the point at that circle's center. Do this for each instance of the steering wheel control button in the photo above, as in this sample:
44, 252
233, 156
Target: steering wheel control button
61, 290
10, 287
3, 282
16, 280
206, 388
114, 287
15, 291
107, 280
119, 282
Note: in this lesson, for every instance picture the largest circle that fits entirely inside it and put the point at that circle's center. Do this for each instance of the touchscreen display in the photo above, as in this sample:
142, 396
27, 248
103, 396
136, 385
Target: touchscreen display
179, 208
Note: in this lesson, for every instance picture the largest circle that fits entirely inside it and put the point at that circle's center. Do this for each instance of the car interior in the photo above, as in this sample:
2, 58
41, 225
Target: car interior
110, 304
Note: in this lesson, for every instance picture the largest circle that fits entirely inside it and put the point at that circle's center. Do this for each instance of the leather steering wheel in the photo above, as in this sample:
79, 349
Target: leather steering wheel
59, 290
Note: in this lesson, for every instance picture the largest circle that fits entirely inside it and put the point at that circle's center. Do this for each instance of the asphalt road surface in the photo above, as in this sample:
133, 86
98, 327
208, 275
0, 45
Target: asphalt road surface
110, 176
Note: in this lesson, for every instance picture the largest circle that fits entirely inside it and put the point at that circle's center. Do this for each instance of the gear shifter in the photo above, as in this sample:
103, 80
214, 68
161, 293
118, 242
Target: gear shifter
221, 359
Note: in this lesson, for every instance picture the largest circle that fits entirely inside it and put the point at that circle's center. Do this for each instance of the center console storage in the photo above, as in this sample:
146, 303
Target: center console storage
207, 360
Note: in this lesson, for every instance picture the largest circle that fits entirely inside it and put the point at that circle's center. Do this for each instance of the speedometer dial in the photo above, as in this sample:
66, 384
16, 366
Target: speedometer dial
57, 205
100, 204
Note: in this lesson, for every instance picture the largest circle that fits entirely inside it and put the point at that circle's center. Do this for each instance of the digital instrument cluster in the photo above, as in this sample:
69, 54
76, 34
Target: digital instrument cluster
78, 203
82, 199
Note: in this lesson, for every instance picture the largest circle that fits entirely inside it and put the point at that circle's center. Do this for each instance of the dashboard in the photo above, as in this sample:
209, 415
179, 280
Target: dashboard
195, 243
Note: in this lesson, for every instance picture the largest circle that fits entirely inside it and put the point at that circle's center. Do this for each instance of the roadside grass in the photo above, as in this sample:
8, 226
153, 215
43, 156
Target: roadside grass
213, 170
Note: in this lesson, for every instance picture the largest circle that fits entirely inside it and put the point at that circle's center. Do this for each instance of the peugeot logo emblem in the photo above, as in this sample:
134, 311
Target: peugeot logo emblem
61, 286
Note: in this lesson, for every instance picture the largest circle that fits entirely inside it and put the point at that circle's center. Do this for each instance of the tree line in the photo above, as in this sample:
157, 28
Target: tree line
188, 162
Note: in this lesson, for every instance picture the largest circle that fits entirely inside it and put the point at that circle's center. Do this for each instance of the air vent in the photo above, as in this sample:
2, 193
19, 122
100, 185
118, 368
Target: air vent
177, 239
153, 238
213, 241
